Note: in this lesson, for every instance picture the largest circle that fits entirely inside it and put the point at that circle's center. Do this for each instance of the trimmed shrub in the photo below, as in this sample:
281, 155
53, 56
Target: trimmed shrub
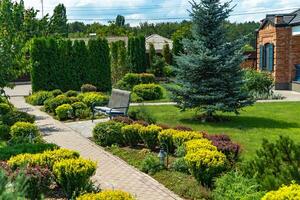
107, 195
64, 112
180, 165
137, 54
74, 99
96, 99
135, 98
56, 92
52, 104
39, 98
130, 80
71, 93
180, 137
45, 159
4, 132
124, 120
165, 137
24, 132
131, 134
151, 164
234, 186
149, 135
291, 192
4, 108
275, 164
149, 91
13, 117
88, 88
80, 109
108, 133
10, 151
205, 165
194, 145
74, 175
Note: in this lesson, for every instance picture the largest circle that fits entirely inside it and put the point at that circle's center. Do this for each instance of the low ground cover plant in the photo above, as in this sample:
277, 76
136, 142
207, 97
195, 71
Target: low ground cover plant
285, 192
107, 194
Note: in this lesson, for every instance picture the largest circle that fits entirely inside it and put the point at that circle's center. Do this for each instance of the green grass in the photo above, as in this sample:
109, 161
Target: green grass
263, 120
182, 184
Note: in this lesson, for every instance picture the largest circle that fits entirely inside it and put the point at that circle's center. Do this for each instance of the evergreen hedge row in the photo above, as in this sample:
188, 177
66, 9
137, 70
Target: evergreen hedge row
61, 64
137, 54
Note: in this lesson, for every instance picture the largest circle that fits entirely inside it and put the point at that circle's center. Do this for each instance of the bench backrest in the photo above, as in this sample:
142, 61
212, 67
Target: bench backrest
120, 98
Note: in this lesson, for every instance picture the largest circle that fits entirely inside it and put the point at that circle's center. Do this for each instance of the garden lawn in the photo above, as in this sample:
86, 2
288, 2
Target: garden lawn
263, 120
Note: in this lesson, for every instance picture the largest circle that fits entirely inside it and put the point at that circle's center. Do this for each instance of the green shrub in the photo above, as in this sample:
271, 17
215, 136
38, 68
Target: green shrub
71, 93
64, 112
24, 132
4, 132
147, 78
165, 138
39, 98
131, 134
74, 175
56, 92
4, 108
143, 114
12, 189
135, 98
130, 80
10, 151
74, 99
52, 104
275, 164
234, 186
107, 195
149, 91
169, 71
81, 110
96, 99
157, 66
151, 164
180, 137
205, 165
180, 165
13, 117
291, 192
108, 133
149, 136
88, 88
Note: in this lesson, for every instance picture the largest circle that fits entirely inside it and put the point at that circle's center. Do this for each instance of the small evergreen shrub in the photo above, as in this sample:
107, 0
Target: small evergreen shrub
180, 165
151, 164
131, 134
130, 80
14, 150
4, 132
165, 138
205, 165
71, 93
135, 98
149, 135
291, 192
234, 186
142, 114
148, 91
80, 109
4, 108
64, 112
56, 92
108, 133
52, 104
107, 195
147, 78
74, 99
24, 132
74, 175
88, 88
39, 98
180, 137
13, 117
95, 99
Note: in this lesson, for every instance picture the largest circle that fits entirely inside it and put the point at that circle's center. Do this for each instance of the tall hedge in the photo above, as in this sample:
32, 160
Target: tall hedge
59, 64
137, 54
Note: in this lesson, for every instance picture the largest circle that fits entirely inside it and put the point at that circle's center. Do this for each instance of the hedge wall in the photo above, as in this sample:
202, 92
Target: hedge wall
61, 64
137, 54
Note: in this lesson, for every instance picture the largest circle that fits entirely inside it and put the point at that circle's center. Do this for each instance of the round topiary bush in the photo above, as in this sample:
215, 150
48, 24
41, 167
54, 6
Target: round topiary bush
4, 108
71, 93
24, 132
13, 116
108, 133
81, 110
95, 99
4, 132
88, 88
56, 92
39, 98
149, 91
52, 104
64, 112
149, 135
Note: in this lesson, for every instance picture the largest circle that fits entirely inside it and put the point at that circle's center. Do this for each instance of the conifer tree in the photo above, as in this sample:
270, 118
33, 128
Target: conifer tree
120, 21
209, 75
152, 54
58, 21
167, 53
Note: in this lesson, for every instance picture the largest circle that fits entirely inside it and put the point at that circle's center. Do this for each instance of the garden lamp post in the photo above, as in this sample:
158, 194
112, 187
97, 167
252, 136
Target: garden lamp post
31, 137
162, 155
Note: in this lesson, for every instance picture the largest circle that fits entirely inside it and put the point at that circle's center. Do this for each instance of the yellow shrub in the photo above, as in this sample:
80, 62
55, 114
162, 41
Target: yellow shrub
291, 192
195, 145
181, 137
48, 158
165, 137
107, 195
131, 134
149, 135
74, 174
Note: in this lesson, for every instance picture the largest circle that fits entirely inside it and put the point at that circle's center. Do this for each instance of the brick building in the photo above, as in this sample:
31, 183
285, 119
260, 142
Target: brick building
278, 48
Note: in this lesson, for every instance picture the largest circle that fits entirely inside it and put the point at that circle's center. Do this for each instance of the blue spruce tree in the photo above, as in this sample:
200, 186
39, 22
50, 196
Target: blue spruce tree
209, 75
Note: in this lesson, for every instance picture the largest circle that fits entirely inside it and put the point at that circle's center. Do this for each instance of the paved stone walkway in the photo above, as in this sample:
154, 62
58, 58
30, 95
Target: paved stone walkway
112, 172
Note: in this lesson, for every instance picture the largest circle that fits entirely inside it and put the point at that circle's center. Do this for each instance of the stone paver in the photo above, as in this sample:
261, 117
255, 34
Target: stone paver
112, 172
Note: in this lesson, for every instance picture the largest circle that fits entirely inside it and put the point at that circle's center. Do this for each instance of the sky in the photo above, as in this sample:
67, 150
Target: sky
136, 11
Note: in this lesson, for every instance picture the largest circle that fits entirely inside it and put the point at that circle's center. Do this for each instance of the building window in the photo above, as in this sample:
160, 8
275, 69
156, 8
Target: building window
267, 57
